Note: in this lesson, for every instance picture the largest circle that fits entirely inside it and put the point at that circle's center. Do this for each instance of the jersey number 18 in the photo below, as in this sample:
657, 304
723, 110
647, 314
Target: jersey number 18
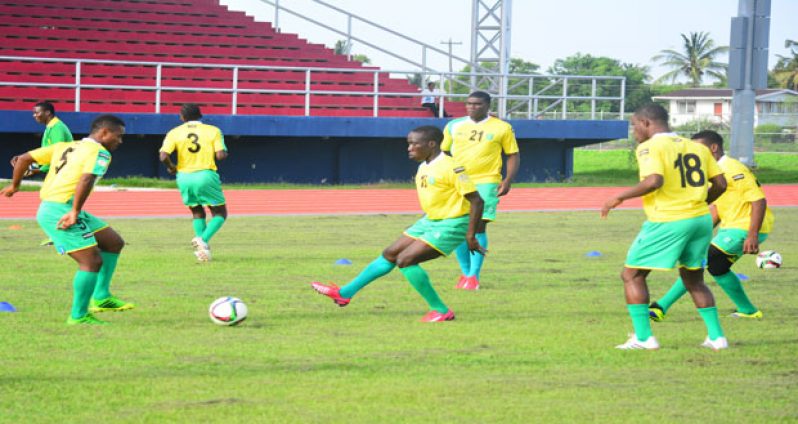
689, 167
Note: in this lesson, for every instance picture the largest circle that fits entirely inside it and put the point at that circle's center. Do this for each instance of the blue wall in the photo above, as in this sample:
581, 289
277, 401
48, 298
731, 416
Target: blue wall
313, 149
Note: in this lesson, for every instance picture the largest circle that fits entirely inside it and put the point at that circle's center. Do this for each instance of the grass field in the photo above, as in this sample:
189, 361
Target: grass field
535, 345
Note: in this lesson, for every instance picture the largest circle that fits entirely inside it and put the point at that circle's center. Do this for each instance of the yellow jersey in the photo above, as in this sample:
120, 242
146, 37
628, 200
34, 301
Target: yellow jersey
734, 205
686, 167
441, 185
196, 144
69, 161
479, 146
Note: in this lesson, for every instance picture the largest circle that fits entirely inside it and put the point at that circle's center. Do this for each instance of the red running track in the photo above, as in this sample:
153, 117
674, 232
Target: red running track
330, 201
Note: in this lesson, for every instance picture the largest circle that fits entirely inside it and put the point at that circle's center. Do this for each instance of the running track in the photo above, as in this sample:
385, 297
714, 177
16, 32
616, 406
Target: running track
167, 203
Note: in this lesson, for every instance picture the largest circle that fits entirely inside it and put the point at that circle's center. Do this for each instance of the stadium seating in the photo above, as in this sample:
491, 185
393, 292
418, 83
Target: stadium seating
183, 32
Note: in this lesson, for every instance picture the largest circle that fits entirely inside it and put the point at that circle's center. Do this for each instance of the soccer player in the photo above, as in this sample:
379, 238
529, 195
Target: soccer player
452, 208
477, 141
745, 222
92, 243
198, 147
674, 177
55, 131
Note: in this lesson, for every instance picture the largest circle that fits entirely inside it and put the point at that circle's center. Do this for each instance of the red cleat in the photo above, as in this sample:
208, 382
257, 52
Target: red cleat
435, 316
331, 291
460, 282
470, 283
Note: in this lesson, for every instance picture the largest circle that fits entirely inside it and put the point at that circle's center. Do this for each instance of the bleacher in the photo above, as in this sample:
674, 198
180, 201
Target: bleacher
186, 32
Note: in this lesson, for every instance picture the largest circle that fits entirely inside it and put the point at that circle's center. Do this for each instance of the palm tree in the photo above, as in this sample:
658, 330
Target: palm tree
786, 69
696, 60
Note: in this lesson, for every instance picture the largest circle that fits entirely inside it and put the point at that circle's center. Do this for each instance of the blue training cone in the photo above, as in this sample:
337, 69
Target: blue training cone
593, 254
7, 307
742, 276
343, 261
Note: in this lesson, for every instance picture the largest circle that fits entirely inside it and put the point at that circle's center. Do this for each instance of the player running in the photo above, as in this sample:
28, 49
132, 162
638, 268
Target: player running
452, 208
198, 147
92, 243
674, 177
745, 222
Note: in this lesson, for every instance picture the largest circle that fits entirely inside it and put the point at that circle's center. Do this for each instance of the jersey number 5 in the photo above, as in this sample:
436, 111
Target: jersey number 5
64, 158
195, 141
689, 167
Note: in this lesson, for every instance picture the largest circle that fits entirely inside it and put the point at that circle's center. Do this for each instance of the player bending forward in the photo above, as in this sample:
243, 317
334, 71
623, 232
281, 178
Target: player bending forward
453, 210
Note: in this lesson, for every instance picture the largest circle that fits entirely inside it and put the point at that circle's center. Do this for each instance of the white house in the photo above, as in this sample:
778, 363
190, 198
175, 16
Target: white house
773, 106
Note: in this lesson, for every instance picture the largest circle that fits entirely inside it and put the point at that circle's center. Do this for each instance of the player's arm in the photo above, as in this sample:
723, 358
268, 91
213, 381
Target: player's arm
166, 159
513, 163
21, 164
82, 191
474, 219
647, 185
751, 243
717, 188
713, 211
221, 154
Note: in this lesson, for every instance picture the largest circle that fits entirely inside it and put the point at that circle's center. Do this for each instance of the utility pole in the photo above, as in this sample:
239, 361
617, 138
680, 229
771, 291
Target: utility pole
450, 43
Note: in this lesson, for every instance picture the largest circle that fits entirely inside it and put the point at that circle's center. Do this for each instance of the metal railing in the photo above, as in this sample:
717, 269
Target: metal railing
532, 96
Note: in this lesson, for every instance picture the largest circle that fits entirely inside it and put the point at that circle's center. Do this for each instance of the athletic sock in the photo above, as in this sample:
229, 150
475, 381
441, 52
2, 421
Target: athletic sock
639, 314
82, 288
476, 258
419, 279
376, 269
102, 289
213, 226
199, 226
710, 317
463, 257
731, 285
676, 291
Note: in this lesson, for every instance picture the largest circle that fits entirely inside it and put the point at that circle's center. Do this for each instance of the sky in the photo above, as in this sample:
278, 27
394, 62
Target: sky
543, 31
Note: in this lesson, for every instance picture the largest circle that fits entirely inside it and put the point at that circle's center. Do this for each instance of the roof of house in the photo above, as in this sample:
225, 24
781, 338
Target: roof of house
717, 93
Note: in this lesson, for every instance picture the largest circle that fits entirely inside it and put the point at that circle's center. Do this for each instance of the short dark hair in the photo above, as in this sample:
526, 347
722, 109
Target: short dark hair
106, 121
710, 136
653, 112
429, 132
46, 106
481, 95
190, 112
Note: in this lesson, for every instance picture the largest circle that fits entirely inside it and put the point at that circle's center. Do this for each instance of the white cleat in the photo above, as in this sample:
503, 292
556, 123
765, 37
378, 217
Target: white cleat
634, 344
201, 249
717, 344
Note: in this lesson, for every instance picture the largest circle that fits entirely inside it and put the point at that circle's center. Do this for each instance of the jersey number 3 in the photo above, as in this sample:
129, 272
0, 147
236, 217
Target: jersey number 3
195, 141
689, 167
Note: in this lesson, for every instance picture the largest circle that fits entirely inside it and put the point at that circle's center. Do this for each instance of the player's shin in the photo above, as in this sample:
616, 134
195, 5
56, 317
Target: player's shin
710, 317
82, 286
476, 258
419, 279
463, 258
102, 289
199, 225
730, 284
640, 322
214, 225
376, 269
676, 291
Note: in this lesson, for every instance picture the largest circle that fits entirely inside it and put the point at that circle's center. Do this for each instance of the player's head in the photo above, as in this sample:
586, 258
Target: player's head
430, 85
108, 131
190, 112
478, 105
424, 143
43, 112
648, 120
712, 140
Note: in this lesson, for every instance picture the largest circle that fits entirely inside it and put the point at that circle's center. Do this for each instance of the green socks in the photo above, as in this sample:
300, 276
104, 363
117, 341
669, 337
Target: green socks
639, 314
376, 269
102, 287
83, 286
463, 258
199, 226
213, 226
419, 279
471, 263
675, 293
710, 317
731, 285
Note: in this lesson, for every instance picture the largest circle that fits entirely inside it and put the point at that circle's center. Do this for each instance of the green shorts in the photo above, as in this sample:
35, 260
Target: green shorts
443, 235
660, 245
730, 241
488, 193
77, 237
201, 188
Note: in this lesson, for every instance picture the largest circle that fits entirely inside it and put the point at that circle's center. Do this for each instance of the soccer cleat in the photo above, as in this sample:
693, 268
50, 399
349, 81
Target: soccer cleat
471, 283
460, 282
717, 344
435, 316
47, 242
634, 344
656, 313
755, 315
86, 319
332, 291
111, 304
201, 249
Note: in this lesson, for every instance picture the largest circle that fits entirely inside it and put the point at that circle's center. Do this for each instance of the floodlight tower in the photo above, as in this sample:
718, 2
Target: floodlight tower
490, 43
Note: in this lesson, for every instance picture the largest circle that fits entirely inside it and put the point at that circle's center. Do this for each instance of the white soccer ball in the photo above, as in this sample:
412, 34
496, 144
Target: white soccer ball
768, 259
228, 311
